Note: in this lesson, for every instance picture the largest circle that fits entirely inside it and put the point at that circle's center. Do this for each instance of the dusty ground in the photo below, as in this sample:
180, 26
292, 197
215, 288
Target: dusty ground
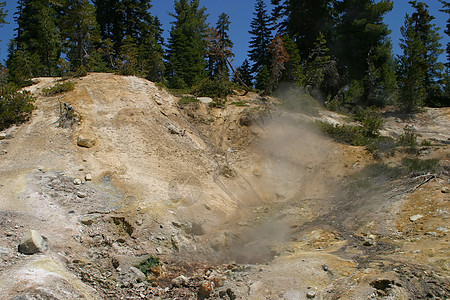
244, 201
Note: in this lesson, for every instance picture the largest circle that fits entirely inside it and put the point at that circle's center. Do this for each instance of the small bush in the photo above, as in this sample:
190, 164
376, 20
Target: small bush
296, 100
15, 107
426, 143
59, 88
148, 264
421, 166
371, 120
187, 100
217, 88
346, 134
408, 138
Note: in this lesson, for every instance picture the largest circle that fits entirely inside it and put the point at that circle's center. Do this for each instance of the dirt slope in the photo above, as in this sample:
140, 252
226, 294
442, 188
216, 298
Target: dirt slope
257, 204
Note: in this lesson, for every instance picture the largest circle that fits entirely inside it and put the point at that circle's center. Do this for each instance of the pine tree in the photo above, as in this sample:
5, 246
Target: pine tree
2, 13
80, 32
187, 46
318, 59
411, 74
279, 58
262, 78
446, 9
226, 45
2, 16
421, 21
293, 68
362, 46
245, 74
37, 39
219, 49
110, 21
261, 32
303, 20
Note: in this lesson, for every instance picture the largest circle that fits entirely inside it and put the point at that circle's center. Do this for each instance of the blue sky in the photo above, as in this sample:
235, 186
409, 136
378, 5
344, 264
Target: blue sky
241, 13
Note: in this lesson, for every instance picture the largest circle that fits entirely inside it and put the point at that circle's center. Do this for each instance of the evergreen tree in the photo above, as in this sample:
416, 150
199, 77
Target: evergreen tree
219, 49
37, 39
2, 15
226, 45
411, 74
187, 46
293, 68
446, 9
318, 59
109, 18
262, 78
279, 57
421, 21
363, 48
80, 33
303, 20
245, 74
261, 26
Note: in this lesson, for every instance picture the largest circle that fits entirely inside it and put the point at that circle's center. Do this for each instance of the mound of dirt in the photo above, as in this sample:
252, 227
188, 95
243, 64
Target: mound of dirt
175, 200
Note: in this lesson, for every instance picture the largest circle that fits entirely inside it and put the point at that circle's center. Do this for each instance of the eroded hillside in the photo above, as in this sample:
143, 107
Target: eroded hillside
235, 202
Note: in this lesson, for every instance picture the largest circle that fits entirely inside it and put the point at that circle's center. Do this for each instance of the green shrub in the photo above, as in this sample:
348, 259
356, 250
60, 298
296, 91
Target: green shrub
148, 264
426, 143
346, 134
296, 100
421, 166
217, 88
408, 140
372, 177
187, 100
371, 120
15, 107
59, 88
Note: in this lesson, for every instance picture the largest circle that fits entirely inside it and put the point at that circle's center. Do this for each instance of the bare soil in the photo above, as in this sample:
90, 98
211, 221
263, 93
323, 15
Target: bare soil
246, 202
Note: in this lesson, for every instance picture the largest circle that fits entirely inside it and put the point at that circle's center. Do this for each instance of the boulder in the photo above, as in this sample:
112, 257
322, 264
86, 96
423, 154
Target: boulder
2, 136
138, 273
205, 290
86, 142
445, 190
179, 281
88, 177
32, 242
415, 218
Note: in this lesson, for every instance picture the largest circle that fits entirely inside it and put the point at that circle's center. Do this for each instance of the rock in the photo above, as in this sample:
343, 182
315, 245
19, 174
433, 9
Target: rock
415, 217
445, 190
32, 242
81, 195
311, 294
217, 279
174, 130
205, 99
179, 281
87, 221
77, 181
88, 177
115, 263
138, 273
382, 284
86, 142
2, 136
205, 290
